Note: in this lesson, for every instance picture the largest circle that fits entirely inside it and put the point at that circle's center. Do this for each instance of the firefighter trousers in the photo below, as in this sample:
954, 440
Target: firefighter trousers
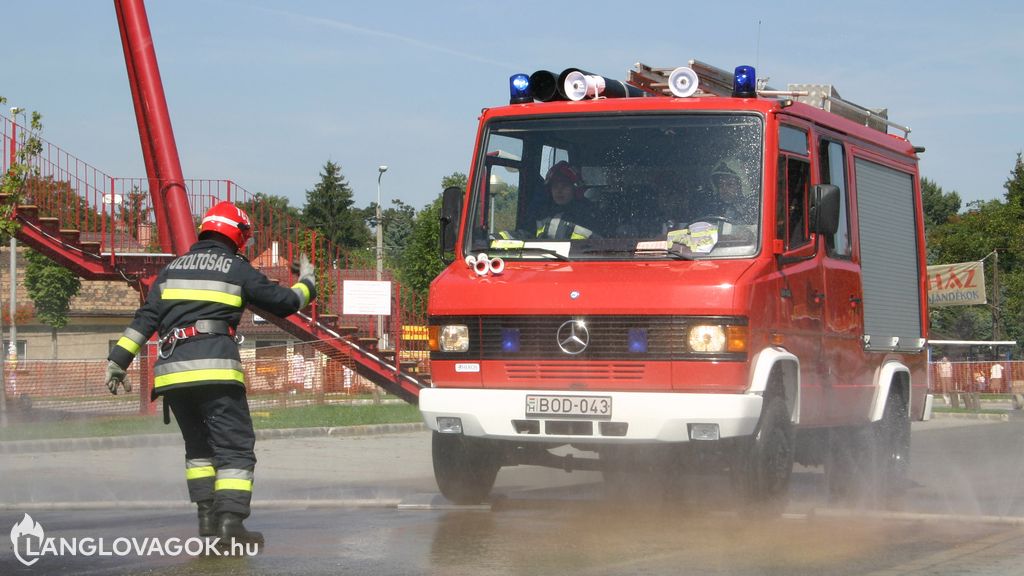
219, 439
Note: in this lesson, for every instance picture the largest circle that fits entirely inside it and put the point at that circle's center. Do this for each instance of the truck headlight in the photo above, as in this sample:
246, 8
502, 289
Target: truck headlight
706, 338
712, 338
454, 338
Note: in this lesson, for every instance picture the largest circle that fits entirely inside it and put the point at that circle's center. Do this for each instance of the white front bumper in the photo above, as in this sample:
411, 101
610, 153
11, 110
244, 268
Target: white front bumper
651, 416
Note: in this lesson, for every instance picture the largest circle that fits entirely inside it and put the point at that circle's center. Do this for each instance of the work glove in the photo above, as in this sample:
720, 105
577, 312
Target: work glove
306, 271
116, 376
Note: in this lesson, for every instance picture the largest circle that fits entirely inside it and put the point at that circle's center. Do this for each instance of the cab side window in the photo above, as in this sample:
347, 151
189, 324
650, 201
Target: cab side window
832, 160
793, 186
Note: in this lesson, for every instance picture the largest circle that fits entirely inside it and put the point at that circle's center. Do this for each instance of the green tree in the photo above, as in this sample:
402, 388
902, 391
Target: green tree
398, 223
139, 216
454, 179
938, 206
1015, 183
273, 218
1012, 263
421, 261
329, 210
51, 287
58, 199
13, 182
320, 257
985, 227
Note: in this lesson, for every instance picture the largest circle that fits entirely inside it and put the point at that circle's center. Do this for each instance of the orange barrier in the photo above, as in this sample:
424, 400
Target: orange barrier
971, 376
280, 375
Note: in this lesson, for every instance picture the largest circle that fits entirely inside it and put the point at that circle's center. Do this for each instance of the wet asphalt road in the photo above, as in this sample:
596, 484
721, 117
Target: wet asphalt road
963, 513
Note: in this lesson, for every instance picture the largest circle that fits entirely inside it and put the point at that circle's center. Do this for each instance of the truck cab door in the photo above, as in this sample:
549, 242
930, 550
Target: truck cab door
802, 288
842, 347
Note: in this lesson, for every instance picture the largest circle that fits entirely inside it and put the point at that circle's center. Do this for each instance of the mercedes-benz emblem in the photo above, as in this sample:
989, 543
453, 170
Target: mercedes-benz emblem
573, 336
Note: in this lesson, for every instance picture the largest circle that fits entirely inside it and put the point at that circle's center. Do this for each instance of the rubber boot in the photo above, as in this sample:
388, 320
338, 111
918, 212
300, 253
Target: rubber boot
230, 527
207, 519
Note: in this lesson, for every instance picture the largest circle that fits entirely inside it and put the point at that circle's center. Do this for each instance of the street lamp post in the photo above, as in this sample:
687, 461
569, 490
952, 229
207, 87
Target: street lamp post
380, 253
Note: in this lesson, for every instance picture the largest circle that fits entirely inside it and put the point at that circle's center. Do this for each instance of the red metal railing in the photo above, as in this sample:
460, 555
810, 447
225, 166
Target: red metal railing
118, 213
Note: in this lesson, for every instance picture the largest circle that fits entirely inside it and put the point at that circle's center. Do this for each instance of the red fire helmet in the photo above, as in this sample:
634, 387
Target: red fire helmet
230, 220
564, 172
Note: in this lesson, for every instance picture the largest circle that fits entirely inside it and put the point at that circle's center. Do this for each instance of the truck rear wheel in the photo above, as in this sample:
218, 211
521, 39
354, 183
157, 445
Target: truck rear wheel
464, 468
765, 464
869, 464
893, 442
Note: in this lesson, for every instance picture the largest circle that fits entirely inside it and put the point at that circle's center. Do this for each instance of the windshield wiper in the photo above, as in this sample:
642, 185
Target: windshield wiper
662, 252
533, 250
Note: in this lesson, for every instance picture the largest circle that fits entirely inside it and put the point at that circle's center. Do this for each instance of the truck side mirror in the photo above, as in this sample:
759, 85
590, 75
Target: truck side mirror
825, 209
451, 211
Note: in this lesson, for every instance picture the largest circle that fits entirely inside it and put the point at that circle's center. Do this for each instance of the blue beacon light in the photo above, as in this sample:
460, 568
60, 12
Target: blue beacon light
744, 83
637, 340
510, 340
519, 89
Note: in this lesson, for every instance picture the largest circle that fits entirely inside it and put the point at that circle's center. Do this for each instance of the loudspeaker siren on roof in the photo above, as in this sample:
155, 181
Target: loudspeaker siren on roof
696, 79
579, 85
682, 82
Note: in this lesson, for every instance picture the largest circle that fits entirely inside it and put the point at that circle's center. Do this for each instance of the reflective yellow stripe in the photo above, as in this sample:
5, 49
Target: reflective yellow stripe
233, 484
198, 376
200, 472
302, 286
128, 344
203, 295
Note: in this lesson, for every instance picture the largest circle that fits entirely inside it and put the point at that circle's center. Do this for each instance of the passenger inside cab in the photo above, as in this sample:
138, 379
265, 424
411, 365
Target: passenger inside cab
570, 215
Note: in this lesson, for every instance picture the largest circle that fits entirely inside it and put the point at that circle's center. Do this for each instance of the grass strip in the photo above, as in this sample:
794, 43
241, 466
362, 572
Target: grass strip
263, 418
949, 410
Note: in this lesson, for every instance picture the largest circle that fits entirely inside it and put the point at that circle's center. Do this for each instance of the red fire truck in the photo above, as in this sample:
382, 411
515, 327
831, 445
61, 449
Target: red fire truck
687, 264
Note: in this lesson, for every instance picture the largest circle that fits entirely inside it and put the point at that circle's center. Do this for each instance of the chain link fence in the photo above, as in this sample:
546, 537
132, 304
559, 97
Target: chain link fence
281, 376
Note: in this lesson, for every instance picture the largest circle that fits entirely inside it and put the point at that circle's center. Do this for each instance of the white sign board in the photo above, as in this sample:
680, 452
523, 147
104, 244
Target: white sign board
956, 284
366, 297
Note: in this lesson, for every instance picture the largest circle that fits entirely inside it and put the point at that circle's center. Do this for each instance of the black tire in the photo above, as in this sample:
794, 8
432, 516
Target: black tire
893, 444
464, 468
765, 463
868, 464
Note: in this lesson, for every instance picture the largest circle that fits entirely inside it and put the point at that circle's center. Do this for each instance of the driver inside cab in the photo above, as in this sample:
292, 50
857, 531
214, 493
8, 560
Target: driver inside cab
570, 215
731, 201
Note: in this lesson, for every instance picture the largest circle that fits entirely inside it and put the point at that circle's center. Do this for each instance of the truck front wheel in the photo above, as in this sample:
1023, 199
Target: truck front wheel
765, 464
465, 468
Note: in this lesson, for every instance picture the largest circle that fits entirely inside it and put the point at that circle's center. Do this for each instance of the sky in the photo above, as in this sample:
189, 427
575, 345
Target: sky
264, 93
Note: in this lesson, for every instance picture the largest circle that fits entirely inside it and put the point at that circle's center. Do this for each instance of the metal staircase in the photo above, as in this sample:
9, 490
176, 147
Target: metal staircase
104, 228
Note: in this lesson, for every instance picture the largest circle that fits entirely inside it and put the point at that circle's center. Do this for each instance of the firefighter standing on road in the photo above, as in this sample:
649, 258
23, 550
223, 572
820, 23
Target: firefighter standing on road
195, 306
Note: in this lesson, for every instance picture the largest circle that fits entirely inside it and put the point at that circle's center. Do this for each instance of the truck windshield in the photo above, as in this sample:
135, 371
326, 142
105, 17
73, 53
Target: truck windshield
623, 187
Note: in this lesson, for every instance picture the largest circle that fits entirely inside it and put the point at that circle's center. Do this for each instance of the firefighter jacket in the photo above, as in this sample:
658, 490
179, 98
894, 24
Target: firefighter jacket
211, 283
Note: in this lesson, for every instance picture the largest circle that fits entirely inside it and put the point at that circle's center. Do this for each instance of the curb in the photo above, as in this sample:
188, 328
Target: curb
969, 416
170, 439
916, 516
284, 504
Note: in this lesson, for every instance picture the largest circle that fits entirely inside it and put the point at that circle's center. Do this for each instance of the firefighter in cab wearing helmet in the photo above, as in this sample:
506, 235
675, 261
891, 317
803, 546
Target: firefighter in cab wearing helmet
195, 306
570, 215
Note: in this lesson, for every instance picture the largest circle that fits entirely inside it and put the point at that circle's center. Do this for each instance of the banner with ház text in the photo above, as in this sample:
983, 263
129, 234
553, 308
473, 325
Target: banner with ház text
956, 284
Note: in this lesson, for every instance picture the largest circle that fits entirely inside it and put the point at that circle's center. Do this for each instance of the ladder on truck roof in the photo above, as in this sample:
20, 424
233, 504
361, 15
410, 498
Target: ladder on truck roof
718, 82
